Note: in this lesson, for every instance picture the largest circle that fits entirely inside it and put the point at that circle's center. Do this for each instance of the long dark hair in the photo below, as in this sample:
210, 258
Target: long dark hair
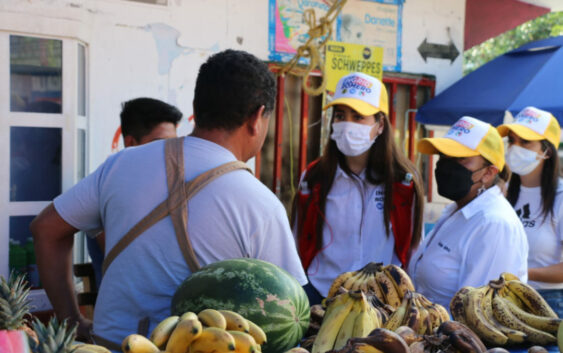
386, 165
549, 181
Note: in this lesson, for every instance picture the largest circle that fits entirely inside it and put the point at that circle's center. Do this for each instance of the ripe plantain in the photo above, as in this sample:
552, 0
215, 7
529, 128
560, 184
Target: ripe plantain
477, 321
388, 289
347, 328
400, 279
339, 282
212, 318
457, 304
514, 336
547, 324
163, 330
384, 341
138, 344
507, 318
532, 299
398, 316
184, 334
364, 322
374, 287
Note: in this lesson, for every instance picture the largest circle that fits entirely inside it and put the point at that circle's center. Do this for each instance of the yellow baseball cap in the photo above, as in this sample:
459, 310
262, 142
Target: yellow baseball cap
468, 137
363, 93
534, 124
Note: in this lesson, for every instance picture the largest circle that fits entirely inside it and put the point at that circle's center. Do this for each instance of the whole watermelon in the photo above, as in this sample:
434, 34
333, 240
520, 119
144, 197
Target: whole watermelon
260, 291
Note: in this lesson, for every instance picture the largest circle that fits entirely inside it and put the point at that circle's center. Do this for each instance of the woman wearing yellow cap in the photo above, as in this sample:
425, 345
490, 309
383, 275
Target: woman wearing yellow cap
479, 235
362, 200
536, 192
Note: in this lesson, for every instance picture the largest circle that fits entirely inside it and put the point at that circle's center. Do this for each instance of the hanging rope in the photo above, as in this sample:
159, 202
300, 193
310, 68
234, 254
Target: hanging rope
319, 34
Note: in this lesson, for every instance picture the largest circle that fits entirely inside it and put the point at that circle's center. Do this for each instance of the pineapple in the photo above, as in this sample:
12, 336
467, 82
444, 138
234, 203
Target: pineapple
14, 304
14, 307
55, 337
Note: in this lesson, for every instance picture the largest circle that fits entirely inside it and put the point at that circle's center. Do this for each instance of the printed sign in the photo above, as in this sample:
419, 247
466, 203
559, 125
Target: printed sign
287, 26
345, 58
375, 23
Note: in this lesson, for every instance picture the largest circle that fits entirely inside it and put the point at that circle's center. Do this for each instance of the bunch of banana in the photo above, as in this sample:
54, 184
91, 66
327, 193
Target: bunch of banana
388, 283
348, 315
506, 312
418, 313
209, 331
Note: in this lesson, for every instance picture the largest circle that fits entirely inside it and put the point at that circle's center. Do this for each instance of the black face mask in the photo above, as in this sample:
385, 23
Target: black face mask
454, 180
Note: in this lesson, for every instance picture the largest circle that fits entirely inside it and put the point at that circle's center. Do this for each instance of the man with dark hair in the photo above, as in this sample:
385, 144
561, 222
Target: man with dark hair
139, 197
143, 120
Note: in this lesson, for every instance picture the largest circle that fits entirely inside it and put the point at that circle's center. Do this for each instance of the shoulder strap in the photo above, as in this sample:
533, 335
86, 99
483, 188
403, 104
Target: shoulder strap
181, 193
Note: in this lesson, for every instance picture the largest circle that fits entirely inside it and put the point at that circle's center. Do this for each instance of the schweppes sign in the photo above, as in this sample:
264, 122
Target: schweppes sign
344, 58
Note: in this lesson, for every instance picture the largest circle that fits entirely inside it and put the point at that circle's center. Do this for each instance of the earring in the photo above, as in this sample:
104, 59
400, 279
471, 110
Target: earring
481, 190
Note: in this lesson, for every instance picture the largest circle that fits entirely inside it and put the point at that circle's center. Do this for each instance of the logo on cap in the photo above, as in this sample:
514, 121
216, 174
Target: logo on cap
528, 116
460, 127
356, 84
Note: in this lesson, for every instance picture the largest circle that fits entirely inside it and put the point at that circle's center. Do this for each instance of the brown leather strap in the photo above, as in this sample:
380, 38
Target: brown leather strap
187, 190
174, 155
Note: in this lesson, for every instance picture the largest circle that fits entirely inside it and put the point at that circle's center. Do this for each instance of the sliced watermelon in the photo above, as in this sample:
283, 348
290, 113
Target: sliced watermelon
260, 291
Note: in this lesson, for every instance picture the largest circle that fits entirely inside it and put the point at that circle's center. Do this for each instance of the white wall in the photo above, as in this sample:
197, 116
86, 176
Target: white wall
150, 50
439, 22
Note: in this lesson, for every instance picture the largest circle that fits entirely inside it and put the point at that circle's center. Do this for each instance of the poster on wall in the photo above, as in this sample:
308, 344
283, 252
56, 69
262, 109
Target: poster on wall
374, 22
288, 27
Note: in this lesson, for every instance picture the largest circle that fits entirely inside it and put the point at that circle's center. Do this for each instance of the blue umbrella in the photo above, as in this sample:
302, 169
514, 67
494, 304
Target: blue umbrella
530, 75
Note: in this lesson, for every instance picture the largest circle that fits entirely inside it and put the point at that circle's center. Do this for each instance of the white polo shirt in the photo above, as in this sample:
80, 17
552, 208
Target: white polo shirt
470, 247
234, 216
545, 236
353, 231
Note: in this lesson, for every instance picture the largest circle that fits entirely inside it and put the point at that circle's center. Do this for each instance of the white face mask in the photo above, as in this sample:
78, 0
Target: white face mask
521, 160
352, 139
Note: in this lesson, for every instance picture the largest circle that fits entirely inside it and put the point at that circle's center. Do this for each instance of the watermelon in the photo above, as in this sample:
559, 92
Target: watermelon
260, 291
13, 341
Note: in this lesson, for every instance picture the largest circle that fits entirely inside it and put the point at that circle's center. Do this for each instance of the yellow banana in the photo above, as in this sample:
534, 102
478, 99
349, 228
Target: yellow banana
339, 282
374, 287
256, 332
347, 328
184, 334
188, 315
547, 324
507, 276
244, 343
532, 299
138, 344
476, 319
89, 348
336, 313
412, 316
213, 339
444, 315
349, 284
425, 321
507, 318
235, 321
360, 279
391, 295
398, 316
400, 279
457, 304
364, 322
514, 336
212, 318
161, 333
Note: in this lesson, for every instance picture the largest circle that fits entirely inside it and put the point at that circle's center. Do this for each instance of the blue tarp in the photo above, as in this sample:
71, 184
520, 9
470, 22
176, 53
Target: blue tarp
529, 75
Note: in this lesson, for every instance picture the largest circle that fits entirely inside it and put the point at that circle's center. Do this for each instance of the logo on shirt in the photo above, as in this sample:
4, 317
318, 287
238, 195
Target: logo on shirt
460, 128
379, 199
524, 215
443, 246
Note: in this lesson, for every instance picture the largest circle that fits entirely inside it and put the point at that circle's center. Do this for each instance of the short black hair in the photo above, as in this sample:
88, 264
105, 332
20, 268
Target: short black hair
230, 87
140, 115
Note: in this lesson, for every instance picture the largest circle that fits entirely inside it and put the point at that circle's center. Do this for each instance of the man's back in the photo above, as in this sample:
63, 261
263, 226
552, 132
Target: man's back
234, 216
